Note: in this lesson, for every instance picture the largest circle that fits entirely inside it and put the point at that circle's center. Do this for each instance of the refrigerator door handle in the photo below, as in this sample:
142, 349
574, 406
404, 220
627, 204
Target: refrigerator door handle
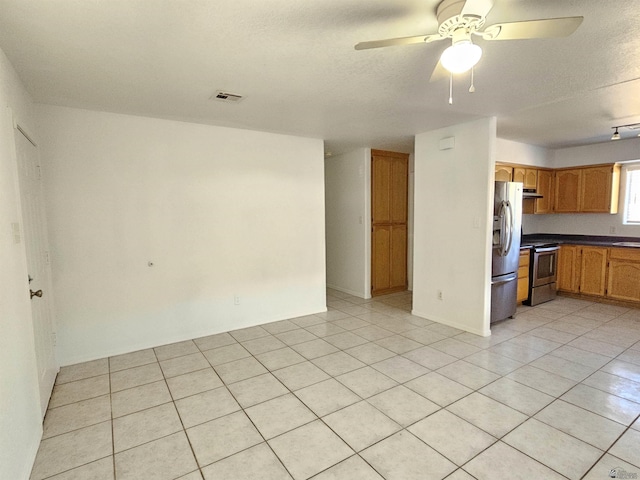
503, 225
509, 227
505, 279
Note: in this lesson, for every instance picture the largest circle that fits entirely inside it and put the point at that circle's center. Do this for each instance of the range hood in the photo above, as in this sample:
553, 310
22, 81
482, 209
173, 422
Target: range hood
530, 193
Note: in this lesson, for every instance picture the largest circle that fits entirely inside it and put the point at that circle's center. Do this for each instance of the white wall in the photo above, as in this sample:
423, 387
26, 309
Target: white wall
348, 222
508, 151
20, 420
220, 212
452, 222
589, 224
608, 152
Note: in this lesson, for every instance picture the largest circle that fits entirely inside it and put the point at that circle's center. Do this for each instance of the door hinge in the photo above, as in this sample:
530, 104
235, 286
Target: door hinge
39, 172
54, 338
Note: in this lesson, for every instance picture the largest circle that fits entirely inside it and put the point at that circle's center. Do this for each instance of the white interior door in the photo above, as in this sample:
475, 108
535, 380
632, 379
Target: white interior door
39, 282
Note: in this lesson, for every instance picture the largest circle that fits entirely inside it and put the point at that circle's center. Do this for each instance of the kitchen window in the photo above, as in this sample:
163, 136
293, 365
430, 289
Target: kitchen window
632, 199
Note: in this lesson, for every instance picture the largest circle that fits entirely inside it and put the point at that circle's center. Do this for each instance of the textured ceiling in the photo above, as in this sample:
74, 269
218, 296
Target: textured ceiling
295, 64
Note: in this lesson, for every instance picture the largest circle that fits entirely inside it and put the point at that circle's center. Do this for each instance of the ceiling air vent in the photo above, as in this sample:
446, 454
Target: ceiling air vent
226, 97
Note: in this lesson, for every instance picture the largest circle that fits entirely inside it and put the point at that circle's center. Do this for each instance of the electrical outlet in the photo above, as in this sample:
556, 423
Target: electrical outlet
612, 229
439, 294
236, 299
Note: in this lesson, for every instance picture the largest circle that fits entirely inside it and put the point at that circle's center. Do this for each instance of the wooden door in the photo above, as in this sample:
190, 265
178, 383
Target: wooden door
593, 271
544, 187
568, 275
624, 274
389, 190
567, 191
35, 236
595, 189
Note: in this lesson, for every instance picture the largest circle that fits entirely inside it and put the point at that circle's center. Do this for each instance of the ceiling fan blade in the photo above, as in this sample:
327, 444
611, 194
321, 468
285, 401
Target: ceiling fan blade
547, 28
439, 73
398, 41
477, 7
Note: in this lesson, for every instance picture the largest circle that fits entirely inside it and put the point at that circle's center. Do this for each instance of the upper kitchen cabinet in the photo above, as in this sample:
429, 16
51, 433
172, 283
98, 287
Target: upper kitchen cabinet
527, 176
587, 189
504, 173
593, 189
567, 191
544, 186
599, 189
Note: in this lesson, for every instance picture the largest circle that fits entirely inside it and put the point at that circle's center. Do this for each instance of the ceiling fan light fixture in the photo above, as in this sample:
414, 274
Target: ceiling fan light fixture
461, 56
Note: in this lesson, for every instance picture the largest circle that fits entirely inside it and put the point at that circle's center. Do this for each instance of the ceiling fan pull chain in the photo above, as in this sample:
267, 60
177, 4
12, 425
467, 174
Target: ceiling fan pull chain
450, 88
472, 88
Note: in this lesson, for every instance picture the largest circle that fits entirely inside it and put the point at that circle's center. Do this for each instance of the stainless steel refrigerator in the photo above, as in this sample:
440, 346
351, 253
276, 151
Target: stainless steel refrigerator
507, 222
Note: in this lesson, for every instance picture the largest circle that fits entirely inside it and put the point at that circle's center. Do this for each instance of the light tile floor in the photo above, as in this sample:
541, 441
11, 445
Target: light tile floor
363, 391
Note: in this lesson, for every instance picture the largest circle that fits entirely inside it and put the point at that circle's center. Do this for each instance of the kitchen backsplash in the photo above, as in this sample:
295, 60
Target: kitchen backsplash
579, 224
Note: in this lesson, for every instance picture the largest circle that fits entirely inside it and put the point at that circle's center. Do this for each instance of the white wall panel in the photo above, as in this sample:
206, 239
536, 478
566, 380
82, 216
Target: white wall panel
219, 212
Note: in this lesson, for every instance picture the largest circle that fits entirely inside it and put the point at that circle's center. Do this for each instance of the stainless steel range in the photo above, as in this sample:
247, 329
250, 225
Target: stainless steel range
542, 273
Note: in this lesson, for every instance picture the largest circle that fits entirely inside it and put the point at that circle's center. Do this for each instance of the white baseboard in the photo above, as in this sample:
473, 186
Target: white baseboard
449, 323
350, 292
30, 455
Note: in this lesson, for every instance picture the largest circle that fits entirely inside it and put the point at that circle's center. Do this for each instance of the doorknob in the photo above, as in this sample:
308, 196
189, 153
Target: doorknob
35, 294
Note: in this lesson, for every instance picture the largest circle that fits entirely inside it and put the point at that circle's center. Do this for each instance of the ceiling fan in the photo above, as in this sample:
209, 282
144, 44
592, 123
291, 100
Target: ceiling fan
459, 20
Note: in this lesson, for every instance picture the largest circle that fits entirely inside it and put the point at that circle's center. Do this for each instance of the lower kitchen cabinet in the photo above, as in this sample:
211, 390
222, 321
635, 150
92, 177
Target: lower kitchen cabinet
582, 269
624, 274
523, 275
568, 274
593, 271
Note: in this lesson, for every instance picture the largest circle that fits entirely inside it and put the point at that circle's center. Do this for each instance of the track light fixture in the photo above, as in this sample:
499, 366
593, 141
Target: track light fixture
616, 135
632, 126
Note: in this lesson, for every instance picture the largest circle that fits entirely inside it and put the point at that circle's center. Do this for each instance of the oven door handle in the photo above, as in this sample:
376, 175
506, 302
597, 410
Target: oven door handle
546, 249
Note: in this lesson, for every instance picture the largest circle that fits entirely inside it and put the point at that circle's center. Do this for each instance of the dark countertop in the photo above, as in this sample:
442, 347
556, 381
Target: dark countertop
596, 240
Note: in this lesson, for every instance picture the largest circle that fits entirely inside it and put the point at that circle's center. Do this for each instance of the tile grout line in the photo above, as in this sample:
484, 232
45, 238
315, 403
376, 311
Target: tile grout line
184, 430
371, 323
